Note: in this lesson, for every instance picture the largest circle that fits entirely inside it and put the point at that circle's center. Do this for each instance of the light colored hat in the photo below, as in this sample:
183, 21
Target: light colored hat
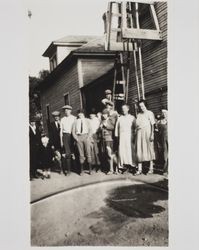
56, 113
108, 91
67, 107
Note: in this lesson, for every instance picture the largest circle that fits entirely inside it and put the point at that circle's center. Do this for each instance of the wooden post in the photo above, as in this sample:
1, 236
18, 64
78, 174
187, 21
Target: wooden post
114, 82
127, 78
109, 23
124, 23
141, 71
154, 17
122, 66
137, 16
136, 74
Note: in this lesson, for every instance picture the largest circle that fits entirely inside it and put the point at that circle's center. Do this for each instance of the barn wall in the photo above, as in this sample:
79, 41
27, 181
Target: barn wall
154, 56
54, 94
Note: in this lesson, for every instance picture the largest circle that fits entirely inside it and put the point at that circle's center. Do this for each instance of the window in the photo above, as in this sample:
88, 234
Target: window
66, 99
53, 62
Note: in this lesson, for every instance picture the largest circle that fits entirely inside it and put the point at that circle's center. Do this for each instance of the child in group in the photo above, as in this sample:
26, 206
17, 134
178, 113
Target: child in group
107, 127
46, 157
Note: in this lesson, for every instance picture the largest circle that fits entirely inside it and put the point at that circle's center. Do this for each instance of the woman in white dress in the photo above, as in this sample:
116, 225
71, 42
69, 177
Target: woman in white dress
124, 131
144, 137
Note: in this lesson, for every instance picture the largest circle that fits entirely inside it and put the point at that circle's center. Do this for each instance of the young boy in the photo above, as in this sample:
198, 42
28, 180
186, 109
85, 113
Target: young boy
107, 128
46, 156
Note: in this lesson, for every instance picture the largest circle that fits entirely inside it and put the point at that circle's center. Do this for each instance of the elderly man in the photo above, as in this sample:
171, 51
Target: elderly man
82, 134
66, 125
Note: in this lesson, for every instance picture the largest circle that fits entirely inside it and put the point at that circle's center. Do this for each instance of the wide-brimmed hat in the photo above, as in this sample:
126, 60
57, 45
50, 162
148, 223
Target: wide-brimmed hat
56, 113
67, 107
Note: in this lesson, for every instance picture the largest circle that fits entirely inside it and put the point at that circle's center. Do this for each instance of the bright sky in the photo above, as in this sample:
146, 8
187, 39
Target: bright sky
54, 19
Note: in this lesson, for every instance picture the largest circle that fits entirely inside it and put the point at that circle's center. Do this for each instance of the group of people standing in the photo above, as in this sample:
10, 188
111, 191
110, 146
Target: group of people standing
105, 141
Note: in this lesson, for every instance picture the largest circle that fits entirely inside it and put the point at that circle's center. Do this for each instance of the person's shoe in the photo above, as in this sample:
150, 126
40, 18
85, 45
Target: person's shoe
139, 172
150, 171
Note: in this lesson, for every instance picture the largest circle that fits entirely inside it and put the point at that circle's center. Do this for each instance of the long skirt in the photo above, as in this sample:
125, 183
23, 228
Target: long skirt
144, 147
126, 149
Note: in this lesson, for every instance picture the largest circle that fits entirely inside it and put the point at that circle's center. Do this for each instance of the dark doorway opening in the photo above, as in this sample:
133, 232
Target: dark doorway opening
93, 93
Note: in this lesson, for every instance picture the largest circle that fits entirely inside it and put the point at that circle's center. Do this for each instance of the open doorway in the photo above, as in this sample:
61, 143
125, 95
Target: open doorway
93, 93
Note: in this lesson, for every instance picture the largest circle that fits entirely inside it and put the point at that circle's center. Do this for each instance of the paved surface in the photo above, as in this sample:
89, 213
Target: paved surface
42, 188
99, 210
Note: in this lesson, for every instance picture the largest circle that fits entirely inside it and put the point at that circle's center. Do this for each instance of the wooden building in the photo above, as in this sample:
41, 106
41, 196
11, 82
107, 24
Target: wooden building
76, 78
83, 70
154, 56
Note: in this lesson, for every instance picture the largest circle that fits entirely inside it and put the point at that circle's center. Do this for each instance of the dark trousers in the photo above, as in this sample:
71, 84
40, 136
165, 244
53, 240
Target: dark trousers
68, 148
33, 161
67, 142
106, 160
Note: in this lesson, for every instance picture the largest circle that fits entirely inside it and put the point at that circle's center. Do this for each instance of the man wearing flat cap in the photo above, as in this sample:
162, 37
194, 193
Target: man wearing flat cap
54, 131
54, 138
66, 125
108, 96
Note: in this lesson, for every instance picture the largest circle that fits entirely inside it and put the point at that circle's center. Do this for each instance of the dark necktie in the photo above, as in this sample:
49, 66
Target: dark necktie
57, 125
81, 131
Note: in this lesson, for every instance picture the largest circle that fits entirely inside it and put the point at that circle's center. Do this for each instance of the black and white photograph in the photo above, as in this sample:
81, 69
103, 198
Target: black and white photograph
99, 124
98, 117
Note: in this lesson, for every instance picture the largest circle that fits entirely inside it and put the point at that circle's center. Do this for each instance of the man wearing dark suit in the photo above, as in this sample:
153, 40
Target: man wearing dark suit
54, 136
34, 140
54, 131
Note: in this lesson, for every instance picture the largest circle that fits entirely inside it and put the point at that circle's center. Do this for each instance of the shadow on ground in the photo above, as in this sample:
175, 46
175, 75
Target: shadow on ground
138, 201
127, 219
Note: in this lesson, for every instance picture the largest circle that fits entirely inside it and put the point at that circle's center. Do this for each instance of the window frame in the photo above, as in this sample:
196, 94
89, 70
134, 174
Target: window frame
64, 95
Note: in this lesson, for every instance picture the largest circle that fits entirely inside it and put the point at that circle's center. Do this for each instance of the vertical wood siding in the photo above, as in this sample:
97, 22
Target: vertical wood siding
154, 56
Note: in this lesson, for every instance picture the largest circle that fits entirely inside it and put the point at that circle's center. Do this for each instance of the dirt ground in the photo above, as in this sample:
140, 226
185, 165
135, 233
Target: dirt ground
116, 213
